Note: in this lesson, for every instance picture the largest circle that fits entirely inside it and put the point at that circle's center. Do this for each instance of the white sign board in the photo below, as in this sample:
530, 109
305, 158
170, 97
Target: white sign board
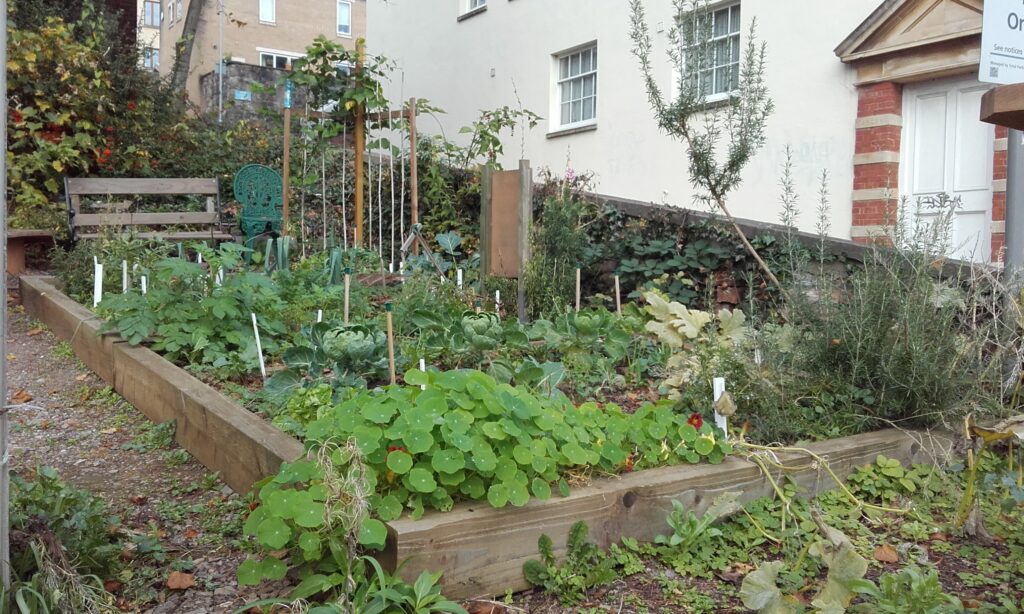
1002, 42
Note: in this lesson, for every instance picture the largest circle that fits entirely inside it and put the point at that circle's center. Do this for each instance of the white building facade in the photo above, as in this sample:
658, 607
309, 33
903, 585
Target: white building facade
839, 109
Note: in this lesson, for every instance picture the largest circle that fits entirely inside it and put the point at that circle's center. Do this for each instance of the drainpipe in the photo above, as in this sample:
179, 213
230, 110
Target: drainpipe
1014, 237
220, 63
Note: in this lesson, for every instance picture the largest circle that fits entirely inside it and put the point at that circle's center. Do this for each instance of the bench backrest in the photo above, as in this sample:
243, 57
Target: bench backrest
118, 214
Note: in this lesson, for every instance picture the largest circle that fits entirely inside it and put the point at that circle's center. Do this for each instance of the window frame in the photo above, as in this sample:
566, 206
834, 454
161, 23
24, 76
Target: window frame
276, 54
147, 12
151, 58
169, 13
737, 62
273, 12
339, 4
472, 5
559, 82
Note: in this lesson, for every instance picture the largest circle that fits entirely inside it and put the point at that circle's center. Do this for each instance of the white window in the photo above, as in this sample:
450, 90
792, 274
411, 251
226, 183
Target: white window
475, 4
268, 11
344, 18
170, 12
151, 58
151, 14
577, 87
721, 72
180, 10
277, 59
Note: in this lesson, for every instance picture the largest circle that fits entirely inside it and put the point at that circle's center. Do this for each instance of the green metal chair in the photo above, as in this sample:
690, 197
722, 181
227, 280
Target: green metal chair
260, 191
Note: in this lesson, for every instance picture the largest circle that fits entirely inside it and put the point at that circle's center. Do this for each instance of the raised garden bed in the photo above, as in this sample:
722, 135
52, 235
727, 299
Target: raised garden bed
480, 549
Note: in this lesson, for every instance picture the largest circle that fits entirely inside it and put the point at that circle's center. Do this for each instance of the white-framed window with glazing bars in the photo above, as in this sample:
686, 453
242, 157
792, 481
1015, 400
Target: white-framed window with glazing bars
577, 87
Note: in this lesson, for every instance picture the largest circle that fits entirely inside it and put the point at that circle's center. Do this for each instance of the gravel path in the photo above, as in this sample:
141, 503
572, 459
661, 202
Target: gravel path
178, 515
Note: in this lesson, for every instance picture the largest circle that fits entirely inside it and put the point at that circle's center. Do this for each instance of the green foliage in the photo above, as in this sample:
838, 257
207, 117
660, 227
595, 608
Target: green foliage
559, 244
693, 541
75, 266
193, 320
886, 480
153, 436
585, 566
468, 437
907, 590
485, 140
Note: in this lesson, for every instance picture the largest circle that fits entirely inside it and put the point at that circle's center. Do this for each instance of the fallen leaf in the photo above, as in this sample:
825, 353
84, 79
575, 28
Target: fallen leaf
112, 586
109, 431
179, 581
191, 533
35, 331
138, 499
11, 357
486, 608
82, 377
886, 554
21, 396
939, 537
735, 572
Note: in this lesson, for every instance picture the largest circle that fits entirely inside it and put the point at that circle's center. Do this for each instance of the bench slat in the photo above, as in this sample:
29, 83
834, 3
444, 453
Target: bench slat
143, 219
150, 186
171, 236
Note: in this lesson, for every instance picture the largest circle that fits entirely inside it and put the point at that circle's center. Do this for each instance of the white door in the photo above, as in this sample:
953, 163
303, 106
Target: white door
948, 150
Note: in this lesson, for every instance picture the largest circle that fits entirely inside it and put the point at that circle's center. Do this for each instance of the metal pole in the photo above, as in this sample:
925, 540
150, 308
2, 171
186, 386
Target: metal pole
220, 64
1014, 237
5, 512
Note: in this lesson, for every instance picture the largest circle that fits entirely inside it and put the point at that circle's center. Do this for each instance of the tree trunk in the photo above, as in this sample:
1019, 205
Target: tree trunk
183, 61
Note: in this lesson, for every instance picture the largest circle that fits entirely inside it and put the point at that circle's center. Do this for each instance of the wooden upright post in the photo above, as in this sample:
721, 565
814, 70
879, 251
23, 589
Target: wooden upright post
359, 146
414, 183
525, 219
286, 170
486, 176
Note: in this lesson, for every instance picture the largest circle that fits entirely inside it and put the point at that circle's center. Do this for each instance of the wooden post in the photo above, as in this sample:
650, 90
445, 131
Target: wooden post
485, 224
391, 343
286, 166
414, 182
359, 145
525, 219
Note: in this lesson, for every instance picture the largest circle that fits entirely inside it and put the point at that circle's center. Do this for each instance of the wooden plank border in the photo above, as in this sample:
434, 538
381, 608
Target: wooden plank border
221, 434
481, 550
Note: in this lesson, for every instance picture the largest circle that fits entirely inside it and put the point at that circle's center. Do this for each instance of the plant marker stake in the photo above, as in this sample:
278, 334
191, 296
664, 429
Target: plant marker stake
199, 259
97, 285
259, 347
721, 421
618, 297
319, 316
423, 367
219, 279
577, 288
458, 278
497, 300
348, 278
391, 343
124, 277
476, 305
143, 285
391, 267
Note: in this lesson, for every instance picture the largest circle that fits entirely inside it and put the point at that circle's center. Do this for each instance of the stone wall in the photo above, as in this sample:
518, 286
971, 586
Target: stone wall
250, 92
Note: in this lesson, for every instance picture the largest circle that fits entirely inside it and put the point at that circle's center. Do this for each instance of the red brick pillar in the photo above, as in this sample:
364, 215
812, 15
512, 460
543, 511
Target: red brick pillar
876, 160
999, 195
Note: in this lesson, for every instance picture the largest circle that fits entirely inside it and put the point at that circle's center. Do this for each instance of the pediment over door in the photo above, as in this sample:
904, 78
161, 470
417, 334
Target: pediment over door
907, 40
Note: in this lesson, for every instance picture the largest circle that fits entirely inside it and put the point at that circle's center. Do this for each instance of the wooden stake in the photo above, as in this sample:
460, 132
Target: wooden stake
359, 145
391, 343
259, 346
348, 281
618, 297
414, 182
286, 166
577, 287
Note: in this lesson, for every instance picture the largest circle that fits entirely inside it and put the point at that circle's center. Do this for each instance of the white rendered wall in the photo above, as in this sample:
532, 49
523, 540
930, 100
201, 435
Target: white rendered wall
483, 61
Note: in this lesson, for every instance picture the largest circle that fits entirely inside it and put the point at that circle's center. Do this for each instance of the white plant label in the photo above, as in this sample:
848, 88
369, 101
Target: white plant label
719, 389
97, 285
259, 347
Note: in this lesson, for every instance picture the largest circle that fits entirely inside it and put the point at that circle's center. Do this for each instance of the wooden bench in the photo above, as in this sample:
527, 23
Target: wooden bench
119, 213
18, 241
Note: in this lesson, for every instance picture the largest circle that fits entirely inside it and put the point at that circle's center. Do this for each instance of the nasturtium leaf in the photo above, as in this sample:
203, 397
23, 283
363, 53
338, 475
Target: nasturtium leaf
458, 421
704, 445
418, 442
448, 461
299, 471
473, 487
250, 572
541, 489
506, 469
373, 533
563, 488
538, 448
612, 453
400, 462
575, 454
494, 431
257, 516
420, 419
461, 441
517, 494
273, 569
715, 457
544, 422
691, 457
510, 427
389, 508
497, 495
657, 430
273, 533
367, 438
441, 500
450, 380
540, 464
281, 503
422, 480
522, 454
415, 377
318, 492
451, 479
379, 411
483, 457
309, 514
687, 433
309, 542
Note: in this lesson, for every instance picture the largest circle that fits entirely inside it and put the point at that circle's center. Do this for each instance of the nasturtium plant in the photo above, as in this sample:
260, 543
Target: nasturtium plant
458, 435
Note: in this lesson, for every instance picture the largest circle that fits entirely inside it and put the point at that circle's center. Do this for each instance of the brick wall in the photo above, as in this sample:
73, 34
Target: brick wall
999, 195
876, 159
